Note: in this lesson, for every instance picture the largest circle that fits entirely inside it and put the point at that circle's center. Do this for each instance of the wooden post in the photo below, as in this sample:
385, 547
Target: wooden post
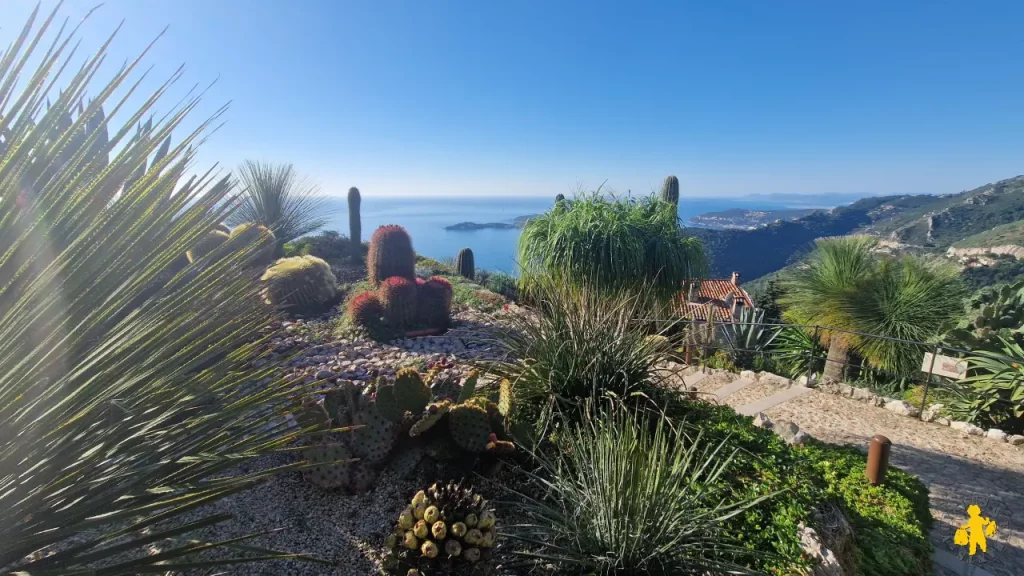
878, 459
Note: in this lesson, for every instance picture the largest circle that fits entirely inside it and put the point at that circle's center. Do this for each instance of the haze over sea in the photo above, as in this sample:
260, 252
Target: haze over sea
426, 218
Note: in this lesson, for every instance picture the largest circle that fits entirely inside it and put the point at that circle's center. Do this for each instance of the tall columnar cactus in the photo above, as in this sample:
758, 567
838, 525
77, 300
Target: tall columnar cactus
208, 243
465, 264
559, 198
355, 222
434, 308
255, 237
398, 296
445, 529
390, 254
300, 284
670, 190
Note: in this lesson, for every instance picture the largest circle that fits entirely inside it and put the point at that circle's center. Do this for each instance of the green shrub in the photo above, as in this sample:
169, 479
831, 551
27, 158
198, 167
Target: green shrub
300, 284
630, 493
390, 254
611, 244
328, 245
891, 523
993, 393
504, 284
795, 353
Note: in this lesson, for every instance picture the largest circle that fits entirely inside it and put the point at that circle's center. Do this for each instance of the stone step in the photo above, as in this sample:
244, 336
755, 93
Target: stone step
773, 400
760, 389
693, 379
731, 388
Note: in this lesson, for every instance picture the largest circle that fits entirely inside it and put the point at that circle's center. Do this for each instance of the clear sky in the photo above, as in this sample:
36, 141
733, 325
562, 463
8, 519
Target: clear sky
532, 97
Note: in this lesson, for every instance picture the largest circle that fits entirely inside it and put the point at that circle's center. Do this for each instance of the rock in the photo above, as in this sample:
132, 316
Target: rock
942, 421
878, 401
902, 407
863, 394
790, 432
774, 379
806, 382
996, 434
967, 427
761, 420
845, 390
1015, 439
826, 562
749, 375
932, 412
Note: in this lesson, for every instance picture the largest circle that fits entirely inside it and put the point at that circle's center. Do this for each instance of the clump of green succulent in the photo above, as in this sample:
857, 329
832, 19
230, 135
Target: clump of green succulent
445, 529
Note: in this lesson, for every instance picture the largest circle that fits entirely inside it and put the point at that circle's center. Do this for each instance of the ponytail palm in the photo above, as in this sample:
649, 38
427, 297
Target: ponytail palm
125, 396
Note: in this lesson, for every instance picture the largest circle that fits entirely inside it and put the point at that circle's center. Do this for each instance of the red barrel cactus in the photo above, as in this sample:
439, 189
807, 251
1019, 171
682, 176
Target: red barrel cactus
365, 309
390, 254
398, 296
434, 308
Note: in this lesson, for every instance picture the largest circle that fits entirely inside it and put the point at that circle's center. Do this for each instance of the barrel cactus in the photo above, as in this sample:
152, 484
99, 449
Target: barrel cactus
670, 190
365, 309
257, 241
398, 296
390, 254
300, 284
355, 223
464, 263
223, 228
207, 244
445, 529
434, 306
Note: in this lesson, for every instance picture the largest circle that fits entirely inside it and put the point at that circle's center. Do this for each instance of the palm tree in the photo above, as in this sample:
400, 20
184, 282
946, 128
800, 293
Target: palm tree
843, 285
820, 290
276, 197
124, 396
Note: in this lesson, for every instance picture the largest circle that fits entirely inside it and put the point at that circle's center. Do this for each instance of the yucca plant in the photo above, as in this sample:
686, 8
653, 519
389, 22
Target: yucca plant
611, 244
795, 352
630, 493
275, 196
124, 402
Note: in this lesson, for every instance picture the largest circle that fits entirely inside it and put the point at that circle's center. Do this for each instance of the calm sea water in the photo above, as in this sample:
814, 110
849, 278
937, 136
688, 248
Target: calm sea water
425, 219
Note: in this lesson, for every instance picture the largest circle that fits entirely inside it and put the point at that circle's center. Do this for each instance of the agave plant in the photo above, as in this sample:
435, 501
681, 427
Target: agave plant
123, 383
748, 337
993, 394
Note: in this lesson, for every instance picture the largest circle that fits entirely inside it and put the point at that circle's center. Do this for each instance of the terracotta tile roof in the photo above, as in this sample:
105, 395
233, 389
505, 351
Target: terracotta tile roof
715, 295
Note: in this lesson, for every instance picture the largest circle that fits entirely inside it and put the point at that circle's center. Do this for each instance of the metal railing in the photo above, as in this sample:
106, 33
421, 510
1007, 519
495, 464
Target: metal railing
700, 348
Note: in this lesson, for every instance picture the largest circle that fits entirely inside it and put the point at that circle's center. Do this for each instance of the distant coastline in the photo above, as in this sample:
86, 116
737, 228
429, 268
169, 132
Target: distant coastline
517, 222
743, 219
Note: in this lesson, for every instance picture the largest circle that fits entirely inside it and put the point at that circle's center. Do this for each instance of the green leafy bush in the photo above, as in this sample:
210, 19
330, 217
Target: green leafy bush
328, 245
992, 395
890, 523
630, 493
795, 353
611, 244
501, 283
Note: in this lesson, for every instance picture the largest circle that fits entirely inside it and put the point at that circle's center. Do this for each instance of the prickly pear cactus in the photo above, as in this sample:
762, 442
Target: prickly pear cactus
445, 529
411, 393
387, 404
376, 437
331, 469
470, 427
433, 414
506, 401
990, 314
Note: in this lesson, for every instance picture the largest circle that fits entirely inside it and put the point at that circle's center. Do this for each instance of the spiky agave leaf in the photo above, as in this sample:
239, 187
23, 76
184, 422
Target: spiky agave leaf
123, 389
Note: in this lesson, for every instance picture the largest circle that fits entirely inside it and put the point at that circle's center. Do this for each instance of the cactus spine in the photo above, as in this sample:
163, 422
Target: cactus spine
670, 190
398, 295
464, 263
355, 223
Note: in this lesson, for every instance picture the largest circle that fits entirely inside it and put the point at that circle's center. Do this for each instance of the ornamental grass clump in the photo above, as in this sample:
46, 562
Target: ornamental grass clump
611, 244
628, 492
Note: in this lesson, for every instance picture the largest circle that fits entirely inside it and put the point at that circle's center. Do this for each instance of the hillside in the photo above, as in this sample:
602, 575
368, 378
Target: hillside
931, 222
1012, 233
745, 219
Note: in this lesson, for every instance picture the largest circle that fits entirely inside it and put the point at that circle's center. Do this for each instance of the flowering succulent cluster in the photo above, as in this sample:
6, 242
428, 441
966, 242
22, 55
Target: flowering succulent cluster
446, 529
403, 300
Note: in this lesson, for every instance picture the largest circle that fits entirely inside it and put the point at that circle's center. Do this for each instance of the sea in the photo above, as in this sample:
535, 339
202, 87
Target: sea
425, 219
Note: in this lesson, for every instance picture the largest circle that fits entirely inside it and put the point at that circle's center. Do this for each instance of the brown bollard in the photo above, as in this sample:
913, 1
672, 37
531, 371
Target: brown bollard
878, 459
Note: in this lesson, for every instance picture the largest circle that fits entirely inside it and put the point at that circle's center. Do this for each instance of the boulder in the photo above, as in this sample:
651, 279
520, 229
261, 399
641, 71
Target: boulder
902, 407
790, 432
806, 382
863, 394
749, 375
967, 428
942, 421
996, 434
846, 390
932, 412
761, 420
826, 563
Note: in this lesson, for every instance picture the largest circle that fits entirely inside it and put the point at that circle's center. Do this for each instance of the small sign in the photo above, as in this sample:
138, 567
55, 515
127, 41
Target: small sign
947, 366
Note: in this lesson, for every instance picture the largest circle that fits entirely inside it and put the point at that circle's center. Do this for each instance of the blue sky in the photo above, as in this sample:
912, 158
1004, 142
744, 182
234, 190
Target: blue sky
533, 97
